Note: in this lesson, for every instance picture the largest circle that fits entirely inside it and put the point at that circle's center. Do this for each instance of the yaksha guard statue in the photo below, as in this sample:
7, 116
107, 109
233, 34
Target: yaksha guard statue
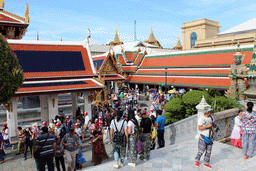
238, 74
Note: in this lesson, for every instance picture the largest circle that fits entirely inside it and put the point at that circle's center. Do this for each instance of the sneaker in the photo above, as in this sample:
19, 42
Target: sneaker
145, 160
197, 164
122, 163
116, 166
208, 166
132, 164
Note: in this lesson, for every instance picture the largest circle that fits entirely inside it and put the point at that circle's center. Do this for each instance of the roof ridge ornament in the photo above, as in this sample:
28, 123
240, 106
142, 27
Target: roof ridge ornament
89, 36
2, 4
27, 14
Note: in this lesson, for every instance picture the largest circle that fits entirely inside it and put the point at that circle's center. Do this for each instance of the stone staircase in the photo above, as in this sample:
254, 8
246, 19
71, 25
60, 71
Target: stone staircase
181, 156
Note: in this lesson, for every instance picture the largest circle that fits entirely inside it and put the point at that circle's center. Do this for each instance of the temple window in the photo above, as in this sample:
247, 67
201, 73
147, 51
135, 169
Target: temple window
193, 38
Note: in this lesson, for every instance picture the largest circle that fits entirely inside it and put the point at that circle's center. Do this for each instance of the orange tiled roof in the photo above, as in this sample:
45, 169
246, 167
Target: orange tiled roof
182, 81
205, 59
114, 77
129, 68
26, 48
32, 89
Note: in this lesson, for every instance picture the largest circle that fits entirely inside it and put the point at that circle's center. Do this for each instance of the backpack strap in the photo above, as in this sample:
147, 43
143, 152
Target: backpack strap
115, 126
122, 126
210, 131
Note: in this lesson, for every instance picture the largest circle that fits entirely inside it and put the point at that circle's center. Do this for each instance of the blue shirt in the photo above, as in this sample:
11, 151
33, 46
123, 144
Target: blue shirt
161, 122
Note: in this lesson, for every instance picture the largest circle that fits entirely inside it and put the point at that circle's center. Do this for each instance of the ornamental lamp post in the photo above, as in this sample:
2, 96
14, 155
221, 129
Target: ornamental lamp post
166, 81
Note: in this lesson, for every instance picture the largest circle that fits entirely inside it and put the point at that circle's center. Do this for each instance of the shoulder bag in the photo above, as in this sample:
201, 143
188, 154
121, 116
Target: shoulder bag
37, 152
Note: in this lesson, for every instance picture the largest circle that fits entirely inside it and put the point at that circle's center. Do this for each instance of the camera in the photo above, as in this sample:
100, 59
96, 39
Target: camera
215, 127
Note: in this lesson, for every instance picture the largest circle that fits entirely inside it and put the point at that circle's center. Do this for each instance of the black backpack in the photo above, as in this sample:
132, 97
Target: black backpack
118, 136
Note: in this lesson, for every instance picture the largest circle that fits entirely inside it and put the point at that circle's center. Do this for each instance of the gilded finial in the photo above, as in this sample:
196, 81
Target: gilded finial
27, 14
2, 4
151, 27
89, 34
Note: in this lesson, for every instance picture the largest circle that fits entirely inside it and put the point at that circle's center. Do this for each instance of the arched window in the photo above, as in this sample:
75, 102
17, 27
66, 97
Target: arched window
193, 39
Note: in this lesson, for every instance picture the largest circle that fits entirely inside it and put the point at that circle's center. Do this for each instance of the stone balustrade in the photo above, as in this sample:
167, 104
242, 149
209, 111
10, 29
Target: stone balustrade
186, 129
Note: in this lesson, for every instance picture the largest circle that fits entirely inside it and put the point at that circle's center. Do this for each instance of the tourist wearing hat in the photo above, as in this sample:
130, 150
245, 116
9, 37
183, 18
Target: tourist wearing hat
205, 123
78, 130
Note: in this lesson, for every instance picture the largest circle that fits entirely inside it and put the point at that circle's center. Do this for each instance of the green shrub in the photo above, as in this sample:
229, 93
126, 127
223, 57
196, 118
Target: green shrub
193, 98
169, 119
176, 108
221, 103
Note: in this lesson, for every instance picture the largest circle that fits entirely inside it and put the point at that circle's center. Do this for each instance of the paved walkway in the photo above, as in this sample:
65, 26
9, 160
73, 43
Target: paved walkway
181, 157
17, 163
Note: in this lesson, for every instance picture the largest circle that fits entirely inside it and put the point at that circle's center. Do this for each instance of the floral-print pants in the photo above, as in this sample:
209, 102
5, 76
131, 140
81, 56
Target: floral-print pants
145, 146
132, 149
248, 141
202, 147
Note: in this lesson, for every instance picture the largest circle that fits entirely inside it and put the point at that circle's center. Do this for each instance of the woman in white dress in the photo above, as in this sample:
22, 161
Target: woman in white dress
236, 133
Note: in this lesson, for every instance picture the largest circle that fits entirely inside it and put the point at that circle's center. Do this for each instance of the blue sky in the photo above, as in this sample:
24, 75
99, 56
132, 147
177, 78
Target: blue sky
72, 18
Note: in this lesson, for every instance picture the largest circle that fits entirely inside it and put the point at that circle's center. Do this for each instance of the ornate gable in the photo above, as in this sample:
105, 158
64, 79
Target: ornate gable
109, 66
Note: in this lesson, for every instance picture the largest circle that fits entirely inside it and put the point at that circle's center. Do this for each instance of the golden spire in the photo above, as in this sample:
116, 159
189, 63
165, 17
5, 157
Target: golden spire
151, 38
178, 45
27, 14
116, 39
151, 28
2, 4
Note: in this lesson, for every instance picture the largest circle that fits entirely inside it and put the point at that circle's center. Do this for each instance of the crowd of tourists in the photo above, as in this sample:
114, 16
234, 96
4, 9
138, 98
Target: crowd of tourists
121, 122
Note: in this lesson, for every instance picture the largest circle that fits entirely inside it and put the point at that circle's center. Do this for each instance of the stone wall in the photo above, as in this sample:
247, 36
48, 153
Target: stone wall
186, 129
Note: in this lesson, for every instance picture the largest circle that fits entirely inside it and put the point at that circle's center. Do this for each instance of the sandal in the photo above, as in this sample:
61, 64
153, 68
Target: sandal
1, 161
246, 157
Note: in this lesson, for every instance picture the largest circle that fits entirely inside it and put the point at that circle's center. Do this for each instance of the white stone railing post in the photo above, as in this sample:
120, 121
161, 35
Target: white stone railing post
200, 112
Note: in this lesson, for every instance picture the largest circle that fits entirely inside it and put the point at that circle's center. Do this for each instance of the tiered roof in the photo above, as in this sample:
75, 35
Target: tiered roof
198, 68
54, 67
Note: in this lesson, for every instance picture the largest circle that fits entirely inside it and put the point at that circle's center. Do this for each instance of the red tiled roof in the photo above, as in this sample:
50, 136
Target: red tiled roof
179, 71
56, 48
121, 59
8, 19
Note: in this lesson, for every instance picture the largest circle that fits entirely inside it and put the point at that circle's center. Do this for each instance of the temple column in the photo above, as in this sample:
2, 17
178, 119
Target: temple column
74, 104
108, 85
87, 105
116, 87
44, 108
52, 101
12, 118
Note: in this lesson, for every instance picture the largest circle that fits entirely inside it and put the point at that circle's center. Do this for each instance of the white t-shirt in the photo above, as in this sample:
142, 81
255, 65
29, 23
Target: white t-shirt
78, 131
6, 135
137, 117
118, 125
131, 124
87, 121
204, 121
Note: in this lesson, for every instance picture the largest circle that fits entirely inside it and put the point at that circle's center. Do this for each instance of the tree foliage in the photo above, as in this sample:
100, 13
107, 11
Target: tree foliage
193, 98
11, 75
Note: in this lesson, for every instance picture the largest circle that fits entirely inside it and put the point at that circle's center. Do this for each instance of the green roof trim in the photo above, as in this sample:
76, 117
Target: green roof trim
199, 53
191, 66
179, 84
169, 74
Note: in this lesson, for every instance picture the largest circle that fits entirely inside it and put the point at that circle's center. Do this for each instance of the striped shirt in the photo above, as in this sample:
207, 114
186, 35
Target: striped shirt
48, 145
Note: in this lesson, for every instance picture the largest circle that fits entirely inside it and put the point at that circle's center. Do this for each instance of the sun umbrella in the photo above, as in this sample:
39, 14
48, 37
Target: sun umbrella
182, 91
171, 91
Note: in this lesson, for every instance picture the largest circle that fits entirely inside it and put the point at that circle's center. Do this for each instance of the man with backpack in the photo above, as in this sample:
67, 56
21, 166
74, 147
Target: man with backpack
119, 137
146, 137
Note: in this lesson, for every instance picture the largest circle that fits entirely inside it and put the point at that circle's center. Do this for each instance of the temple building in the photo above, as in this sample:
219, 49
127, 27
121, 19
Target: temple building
152, 40
205, 34
116, 40
13, 26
